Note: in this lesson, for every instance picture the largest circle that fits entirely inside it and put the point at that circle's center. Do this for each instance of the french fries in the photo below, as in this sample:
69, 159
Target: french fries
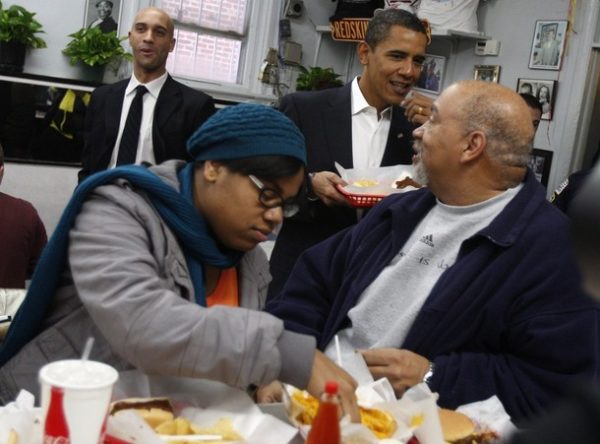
158, 413
13, 438
381, 423
182, 426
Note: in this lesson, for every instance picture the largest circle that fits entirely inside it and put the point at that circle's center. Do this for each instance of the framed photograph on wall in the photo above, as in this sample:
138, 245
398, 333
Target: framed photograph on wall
487, 73
432, 74
544, 90
540, 163
105, 14
548, 44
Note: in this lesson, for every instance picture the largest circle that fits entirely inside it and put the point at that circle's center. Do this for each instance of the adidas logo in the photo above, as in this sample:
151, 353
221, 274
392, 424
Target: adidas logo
428, 239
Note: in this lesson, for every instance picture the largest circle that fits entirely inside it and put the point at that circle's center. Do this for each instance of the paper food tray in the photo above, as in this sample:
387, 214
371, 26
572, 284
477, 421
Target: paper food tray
383, 179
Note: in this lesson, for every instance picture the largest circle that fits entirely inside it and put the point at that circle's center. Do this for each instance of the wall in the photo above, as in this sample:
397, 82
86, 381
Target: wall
48, 188
61, 18
510, 21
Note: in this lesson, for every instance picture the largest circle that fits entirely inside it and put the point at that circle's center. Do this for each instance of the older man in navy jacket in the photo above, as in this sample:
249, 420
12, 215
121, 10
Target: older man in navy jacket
469, 284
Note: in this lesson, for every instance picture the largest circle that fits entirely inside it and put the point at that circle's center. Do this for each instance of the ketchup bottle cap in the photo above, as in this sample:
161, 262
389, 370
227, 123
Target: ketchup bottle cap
331, 387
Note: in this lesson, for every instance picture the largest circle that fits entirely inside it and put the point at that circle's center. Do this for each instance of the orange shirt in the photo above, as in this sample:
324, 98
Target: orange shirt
226, 291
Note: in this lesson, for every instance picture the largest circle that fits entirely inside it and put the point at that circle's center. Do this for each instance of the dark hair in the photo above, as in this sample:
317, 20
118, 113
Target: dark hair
1, 155
265, 167
526, 85
106, 1
381, 23
540, 90
532, 101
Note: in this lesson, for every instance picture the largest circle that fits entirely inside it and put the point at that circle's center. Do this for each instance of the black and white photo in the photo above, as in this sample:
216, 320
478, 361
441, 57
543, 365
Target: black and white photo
540, 163
548, 44
104, 14
544, 90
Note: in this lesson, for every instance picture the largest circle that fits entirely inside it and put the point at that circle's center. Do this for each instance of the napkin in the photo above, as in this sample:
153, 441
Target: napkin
353, 362
21, 416
375, 392
420, 401
490, 413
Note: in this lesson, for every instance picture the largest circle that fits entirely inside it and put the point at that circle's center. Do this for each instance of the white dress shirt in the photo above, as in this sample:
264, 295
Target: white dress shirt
145, 148
369, 130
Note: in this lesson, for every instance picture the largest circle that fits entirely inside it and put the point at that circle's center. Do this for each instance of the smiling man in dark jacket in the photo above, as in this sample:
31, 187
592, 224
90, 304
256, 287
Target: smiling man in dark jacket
469, 284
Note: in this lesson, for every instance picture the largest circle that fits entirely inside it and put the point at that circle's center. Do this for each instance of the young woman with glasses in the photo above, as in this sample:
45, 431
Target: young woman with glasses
162, 266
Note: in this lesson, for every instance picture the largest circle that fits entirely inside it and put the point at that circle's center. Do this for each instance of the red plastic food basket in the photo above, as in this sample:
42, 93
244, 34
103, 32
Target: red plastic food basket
361, 200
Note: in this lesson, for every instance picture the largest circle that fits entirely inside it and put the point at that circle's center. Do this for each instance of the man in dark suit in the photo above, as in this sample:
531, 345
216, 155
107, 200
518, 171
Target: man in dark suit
104, 21
170, 113
359, 125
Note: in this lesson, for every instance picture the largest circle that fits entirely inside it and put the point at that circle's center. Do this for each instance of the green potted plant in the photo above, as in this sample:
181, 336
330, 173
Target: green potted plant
18, 29
316, 78
94, 48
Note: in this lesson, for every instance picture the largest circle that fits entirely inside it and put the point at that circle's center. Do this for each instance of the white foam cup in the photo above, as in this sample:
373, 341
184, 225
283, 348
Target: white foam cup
87, 389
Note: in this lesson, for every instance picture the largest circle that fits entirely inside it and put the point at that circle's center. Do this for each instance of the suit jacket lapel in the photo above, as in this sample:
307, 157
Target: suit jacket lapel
114, 107
167, 103
398, 149
338, 115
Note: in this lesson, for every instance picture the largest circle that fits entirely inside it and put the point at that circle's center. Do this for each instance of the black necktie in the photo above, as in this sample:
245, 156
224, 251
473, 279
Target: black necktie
131, 132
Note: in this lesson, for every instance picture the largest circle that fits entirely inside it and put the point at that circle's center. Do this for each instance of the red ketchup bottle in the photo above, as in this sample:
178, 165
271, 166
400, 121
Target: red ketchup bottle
325, 428
56, 430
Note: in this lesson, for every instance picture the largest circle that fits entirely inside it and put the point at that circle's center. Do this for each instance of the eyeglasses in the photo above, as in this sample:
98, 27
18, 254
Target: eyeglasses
271, 198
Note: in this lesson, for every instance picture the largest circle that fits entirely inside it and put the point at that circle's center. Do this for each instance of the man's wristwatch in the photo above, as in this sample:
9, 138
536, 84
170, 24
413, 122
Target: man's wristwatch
310, 194
429, 375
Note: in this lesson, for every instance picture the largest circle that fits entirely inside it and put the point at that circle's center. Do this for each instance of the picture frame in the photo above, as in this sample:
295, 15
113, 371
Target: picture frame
548, 44
105, 14
487, 73
432, 74
544, 90
540, 163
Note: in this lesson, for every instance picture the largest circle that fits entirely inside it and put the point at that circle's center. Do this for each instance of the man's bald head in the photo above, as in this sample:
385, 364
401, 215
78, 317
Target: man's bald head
151, 40
156, 12
502, 115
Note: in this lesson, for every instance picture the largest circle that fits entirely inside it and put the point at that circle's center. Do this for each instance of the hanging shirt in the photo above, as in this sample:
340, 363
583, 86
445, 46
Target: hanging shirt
145, 149
369, 130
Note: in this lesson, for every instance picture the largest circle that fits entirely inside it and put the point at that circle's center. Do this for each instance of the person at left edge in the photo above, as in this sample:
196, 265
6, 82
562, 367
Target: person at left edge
171, 110
22, 238
162, 266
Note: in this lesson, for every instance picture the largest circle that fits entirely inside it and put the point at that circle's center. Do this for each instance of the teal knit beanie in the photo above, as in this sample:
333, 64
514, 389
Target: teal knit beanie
247, 130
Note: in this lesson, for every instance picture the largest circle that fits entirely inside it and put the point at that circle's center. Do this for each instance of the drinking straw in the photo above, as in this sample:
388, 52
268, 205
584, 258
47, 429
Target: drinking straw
89, 343
338, 352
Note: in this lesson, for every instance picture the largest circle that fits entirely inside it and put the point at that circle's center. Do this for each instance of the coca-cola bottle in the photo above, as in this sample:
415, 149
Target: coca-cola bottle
325, 428
56, 430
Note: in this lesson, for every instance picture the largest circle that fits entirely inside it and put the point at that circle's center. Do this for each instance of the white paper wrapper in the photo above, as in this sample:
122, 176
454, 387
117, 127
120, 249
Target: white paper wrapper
419, 400
380, 394
354, 363
376, 392
491, 414
384, 176
218, 401
22, 417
